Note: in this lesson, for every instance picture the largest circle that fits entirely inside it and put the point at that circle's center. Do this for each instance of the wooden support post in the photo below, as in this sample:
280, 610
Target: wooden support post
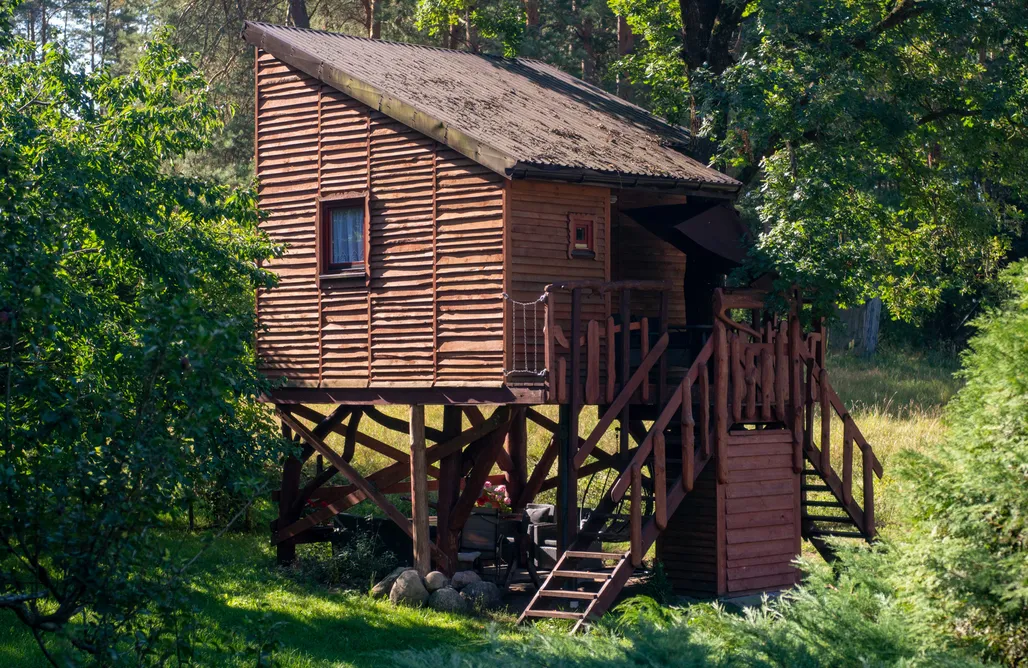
517, 451
847, 460
662, 372
285, 551
567, 488
449, 486
419, 490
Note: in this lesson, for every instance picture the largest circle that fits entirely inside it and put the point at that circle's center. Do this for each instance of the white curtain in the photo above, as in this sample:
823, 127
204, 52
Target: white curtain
347, 235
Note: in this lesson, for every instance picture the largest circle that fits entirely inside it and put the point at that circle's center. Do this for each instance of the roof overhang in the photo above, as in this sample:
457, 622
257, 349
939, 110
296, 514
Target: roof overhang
397, 109
474, 148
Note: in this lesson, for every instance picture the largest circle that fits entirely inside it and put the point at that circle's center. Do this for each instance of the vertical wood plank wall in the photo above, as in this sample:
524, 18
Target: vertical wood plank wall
739, 537
539, 253
642, 255
434, 295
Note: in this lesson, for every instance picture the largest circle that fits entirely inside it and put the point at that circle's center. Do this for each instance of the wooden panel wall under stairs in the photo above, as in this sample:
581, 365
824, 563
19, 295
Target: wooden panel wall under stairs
688, 546
431, 310
739, 537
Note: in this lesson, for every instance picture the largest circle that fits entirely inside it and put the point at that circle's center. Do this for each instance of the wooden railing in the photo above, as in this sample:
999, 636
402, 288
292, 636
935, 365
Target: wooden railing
604, 374
820, 398
680, 403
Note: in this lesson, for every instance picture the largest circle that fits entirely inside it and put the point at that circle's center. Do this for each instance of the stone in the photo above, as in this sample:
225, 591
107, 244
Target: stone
382, 589
447, 599
462, 579
435, 581
408, 589
484, 595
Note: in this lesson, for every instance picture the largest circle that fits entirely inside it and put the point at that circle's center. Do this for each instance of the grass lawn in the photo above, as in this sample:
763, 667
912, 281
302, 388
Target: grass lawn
244, 602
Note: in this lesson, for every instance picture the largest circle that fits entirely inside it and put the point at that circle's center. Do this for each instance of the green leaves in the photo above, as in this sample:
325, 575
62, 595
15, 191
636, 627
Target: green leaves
127, 372
879, 140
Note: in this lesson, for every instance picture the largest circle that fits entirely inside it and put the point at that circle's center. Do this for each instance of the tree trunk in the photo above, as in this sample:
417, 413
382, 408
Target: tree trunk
858, 328
626, 40
298, 14
532, 13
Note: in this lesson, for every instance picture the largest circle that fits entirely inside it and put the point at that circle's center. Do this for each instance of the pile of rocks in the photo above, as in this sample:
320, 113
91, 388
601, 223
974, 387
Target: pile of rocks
464, 592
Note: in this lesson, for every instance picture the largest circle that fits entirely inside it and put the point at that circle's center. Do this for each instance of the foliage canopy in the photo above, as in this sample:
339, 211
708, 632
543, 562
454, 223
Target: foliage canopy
126, 329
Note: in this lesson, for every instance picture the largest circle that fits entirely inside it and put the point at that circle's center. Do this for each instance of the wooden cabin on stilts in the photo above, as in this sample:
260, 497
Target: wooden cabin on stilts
495, 236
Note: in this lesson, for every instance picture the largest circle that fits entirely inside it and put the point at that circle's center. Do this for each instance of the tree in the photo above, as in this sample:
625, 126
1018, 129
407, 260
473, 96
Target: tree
126, 325
878, 140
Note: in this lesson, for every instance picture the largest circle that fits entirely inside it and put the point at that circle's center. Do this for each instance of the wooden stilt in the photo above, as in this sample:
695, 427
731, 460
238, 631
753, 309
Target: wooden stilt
449, 487
419, 490
517, 451
291, 468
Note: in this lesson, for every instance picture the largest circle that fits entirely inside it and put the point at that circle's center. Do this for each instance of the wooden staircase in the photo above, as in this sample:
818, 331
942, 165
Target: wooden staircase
748, 386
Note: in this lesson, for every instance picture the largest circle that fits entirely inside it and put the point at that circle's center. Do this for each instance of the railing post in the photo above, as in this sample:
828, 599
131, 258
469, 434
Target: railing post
781, 373
721, 399
662, 373
705, 410
826, 422
795, 384
847, 459
688, 437
611, 363
549, 345
738, 374
869, 490
644, 349
635, 518
592, 367
659, 481
626, 363
576, 348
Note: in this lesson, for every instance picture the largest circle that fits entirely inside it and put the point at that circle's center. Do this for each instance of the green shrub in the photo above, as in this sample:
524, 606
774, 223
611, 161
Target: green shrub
357, 559
966, 554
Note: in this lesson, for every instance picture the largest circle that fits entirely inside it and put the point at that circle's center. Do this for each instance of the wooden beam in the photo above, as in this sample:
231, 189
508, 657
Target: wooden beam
539, 474
419, 490
393, 474
398, 424
479, 474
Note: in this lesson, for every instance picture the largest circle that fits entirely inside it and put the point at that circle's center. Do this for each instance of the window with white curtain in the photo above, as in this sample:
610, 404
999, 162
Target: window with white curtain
345, 236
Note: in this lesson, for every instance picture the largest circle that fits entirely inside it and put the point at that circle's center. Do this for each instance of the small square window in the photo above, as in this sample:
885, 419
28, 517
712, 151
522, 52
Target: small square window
580, 232
342, 246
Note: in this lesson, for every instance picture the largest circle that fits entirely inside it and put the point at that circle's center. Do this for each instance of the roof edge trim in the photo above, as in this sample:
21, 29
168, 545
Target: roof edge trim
397, 109
591, 177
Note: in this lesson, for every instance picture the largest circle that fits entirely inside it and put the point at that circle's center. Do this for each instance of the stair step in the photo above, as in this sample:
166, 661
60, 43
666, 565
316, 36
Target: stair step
582, 575
825, 518
837, 534
816, 488
558, 614
823, 504
577, 554
568, 593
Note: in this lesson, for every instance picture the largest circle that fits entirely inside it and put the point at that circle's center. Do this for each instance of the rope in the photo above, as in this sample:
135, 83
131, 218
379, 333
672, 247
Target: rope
515, 305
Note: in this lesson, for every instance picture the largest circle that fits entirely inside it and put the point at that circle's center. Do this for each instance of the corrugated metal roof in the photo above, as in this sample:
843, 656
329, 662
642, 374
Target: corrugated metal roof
509, 114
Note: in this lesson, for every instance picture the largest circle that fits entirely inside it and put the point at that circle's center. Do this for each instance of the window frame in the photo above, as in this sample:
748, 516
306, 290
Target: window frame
326, 204
588, 223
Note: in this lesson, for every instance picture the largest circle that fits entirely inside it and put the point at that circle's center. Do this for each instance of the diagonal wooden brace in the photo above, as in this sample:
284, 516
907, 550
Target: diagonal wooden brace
344, 467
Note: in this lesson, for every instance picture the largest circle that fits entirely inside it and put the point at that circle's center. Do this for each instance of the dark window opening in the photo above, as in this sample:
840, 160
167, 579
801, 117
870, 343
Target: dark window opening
581, 229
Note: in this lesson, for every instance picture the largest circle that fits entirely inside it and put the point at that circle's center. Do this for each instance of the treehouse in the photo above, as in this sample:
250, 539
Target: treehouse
493, 235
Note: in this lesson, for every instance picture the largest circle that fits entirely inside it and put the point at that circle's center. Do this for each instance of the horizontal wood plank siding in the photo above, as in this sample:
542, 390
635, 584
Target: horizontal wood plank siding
539, 255
638, 254
688, 547
431, 309
469, 272
761, 512
287, 166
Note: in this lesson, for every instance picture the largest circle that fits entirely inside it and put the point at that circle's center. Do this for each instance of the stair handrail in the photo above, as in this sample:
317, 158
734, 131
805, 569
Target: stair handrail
821, 392
673, 404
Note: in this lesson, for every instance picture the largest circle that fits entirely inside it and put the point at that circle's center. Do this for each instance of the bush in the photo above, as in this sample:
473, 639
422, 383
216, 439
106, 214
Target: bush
357, 560
966, 554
